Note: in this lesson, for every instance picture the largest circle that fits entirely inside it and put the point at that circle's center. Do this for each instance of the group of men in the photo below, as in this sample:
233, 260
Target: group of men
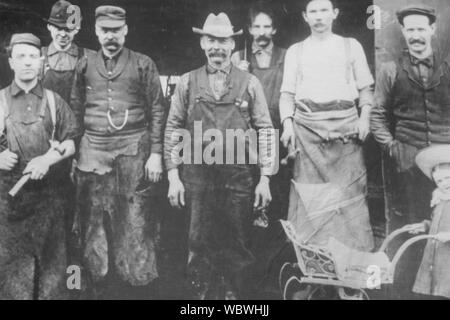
89, 134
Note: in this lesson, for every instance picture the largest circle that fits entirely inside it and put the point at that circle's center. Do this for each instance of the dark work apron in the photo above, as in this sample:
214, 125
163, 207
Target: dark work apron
59, 81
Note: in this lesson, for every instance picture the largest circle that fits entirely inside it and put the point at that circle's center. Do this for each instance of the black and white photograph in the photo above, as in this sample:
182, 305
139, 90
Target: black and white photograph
221, 150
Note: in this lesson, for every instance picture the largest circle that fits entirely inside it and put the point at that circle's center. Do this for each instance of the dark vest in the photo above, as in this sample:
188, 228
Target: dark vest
271, 79
114, 93
421, 113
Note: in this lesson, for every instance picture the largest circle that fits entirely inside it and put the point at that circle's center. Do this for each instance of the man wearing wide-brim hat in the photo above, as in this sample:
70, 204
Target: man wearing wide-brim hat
218, 194
118, 97
411, 113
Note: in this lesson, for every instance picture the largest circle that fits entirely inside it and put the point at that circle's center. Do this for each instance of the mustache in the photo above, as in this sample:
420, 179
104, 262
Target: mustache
218, 54
111, 43
262, 38
413, 41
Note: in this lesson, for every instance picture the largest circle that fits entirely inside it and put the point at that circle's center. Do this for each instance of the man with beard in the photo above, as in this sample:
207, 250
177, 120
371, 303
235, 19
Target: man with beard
118, 97
218, 196
324, 76
266, 62
411, 113
38, 130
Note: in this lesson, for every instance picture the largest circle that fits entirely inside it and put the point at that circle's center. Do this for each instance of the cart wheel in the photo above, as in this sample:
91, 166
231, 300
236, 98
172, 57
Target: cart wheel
352, 294
287, 271
296, 290
320, 292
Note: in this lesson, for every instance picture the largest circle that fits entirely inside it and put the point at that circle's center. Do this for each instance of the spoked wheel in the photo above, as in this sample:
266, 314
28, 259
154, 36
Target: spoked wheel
353, 294
319, 292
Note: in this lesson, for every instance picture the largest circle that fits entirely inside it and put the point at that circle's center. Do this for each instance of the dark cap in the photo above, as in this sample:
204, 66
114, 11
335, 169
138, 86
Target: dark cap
25, 38
59, 15
110, 16
417, 9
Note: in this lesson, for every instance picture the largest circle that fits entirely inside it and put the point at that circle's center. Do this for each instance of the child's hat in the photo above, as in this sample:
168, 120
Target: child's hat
430, 157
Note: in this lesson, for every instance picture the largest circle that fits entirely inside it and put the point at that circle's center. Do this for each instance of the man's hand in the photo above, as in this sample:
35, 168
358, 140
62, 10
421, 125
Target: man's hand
8, 160
37, 167
176, 190
443, 236
153, 167
262, 194
244, 65
288, 136
363, 125
416, 228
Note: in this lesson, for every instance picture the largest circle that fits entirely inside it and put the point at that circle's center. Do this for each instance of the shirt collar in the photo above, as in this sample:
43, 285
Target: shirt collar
211, 70
428, 61
16, 90
256, 48
73, 50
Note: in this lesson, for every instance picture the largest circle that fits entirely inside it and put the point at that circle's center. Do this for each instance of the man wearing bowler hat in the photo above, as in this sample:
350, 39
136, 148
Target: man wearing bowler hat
60, 59
61, 56
38, 130
117, 96
218, 197
411, 113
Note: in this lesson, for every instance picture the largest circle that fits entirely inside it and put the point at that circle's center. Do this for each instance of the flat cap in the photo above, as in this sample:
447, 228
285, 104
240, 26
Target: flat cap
25, 38
417, 9
110, 16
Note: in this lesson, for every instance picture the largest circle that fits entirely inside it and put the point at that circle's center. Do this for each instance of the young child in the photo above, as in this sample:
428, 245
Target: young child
433, 277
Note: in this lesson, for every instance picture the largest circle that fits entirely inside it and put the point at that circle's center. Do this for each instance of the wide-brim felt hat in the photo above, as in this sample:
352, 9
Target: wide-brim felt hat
430, 157
218, 26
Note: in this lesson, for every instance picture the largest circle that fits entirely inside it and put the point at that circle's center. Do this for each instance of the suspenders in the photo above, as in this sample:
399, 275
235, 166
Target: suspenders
4, 109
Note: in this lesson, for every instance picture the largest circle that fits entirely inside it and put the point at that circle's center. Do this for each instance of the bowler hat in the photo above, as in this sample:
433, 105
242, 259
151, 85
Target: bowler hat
217, 26
60, 16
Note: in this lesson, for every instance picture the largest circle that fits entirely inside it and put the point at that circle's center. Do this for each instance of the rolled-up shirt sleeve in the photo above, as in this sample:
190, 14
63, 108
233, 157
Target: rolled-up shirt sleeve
262, 123
176, 120
380, 114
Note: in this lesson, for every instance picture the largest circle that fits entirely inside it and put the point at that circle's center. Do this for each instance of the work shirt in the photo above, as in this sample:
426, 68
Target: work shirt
62, 60
26, 107
324, 67
259, 114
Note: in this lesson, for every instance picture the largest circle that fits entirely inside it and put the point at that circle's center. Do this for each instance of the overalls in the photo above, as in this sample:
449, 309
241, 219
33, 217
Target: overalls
32, 237
219, 197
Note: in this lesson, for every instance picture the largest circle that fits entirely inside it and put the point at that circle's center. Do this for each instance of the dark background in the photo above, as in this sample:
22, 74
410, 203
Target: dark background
162, 29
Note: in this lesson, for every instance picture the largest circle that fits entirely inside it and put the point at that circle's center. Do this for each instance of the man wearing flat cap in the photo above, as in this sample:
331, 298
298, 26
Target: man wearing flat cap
218, 197
411, 113
117, 96
38, 130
